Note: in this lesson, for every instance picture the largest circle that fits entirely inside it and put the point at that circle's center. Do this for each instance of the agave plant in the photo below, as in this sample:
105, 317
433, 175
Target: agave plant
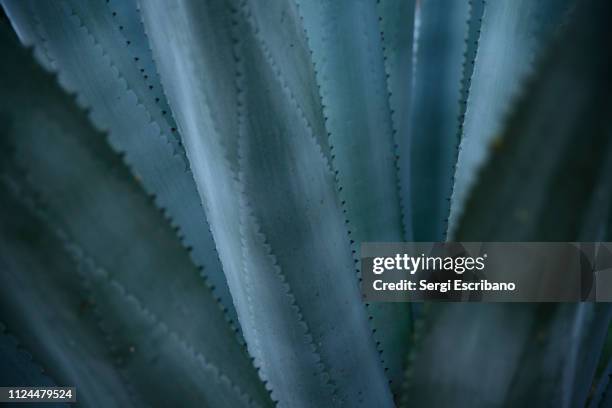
185, 185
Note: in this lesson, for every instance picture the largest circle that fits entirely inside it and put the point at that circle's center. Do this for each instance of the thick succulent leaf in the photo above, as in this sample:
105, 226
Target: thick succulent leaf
396, 22
183, 373
72, 313
469, 59
441, 34
552, 151
100, 51
282, 36
281, 212
512, 36
347, 52
105, 217
550, 159
270, 197
43, 300
395, 323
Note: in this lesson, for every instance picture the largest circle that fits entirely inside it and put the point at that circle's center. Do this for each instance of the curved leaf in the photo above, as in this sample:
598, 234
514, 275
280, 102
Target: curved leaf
553, 149
271, 200
101, 53
134, 257
512, 36
357, 112
442, 30
394, 322
396, 21
348, 57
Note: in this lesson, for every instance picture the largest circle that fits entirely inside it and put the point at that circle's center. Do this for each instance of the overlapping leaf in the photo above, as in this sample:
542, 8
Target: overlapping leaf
165, 327
440, 47
43, 299
270, 196
541, 177
100, 52
347, 48
513, 35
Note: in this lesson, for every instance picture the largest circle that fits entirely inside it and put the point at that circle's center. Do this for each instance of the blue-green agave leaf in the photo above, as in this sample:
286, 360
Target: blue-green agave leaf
156, 310
348, 57
347, 52
100, 52
281, 34
142, 340
441, 35
512, 36
471, 51
552, 151
469, 58
270, 197
396, 21
394, 331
